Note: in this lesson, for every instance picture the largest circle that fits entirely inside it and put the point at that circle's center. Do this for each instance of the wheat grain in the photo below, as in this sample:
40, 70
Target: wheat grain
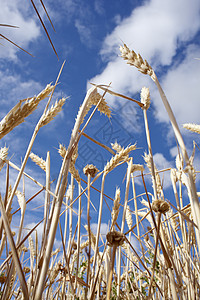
145, 97
136, 60
102, 107
38, 160
31, 247
129, 220
117, 147
116, 206
147, 159
53, 273
21, 200
74, 171
3, 156
22, 110
121, 156
52, 112
62, 150
192, 127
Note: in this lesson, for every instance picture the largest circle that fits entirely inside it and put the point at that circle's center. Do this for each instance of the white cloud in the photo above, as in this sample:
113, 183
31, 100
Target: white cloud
158, 30
181, 85
84, 32
156, 27
20, 14
103, 229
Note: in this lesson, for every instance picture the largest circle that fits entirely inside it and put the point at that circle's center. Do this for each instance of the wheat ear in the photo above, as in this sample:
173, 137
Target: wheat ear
22, 110
192, 127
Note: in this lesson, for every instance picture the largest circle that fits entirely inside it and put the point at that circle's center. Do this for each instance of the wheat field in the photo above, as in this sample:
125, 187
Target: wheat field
88, 265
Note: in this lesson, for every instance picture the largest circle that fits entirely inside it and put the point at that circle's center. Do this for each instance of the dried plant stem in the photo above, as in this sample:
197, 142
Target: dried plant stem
47, 204
71, 212
28, 176
150, 154
109, 285
60, 191
78, 235
182, 224
98, 231
98, 143
89, 230
14, 250
123, 221
136, 213
192, 187
155, 253
67, 261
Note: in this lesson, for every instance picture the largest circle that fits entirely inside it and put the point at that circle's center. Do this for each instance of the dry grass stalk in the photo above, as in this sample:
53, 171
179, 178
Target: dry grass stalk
123, 220
60, 191
14, 251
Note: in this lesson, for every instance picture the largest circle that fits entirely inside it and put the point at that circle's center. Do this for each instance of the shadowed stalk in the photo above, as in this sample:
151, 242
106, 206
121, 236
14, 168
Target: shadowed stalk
154, 258
71, 195
47, 201
98, 230
191, 184
109, 285
123, 221
89, 232
14, 250
150, 152
78, 235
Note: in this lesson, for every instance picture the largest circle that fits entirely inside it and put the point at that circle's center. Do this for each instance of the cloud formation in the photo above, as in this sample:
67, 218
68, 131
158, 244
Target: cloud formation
159, 30
17, 13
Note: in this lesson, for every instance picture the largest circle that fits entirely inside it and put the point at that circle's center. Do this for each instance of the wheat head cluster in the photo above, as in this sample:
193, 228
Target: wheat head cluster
152, 245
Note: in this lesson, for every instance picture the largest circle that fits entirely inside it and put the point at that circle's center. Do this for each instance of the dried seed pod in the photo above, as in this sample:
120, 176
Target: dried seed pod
90, 170
115, 238
26, 270
160, 206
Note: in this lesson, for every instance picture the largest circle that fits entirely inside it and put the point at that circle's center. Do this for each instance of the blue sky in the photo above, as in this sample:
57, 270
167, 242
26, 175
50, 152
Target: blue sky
88, 35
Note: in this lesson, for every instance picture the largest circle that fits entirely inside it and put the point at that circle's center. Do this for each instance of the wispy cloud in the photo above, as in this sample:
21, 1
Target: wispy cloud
17, 13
